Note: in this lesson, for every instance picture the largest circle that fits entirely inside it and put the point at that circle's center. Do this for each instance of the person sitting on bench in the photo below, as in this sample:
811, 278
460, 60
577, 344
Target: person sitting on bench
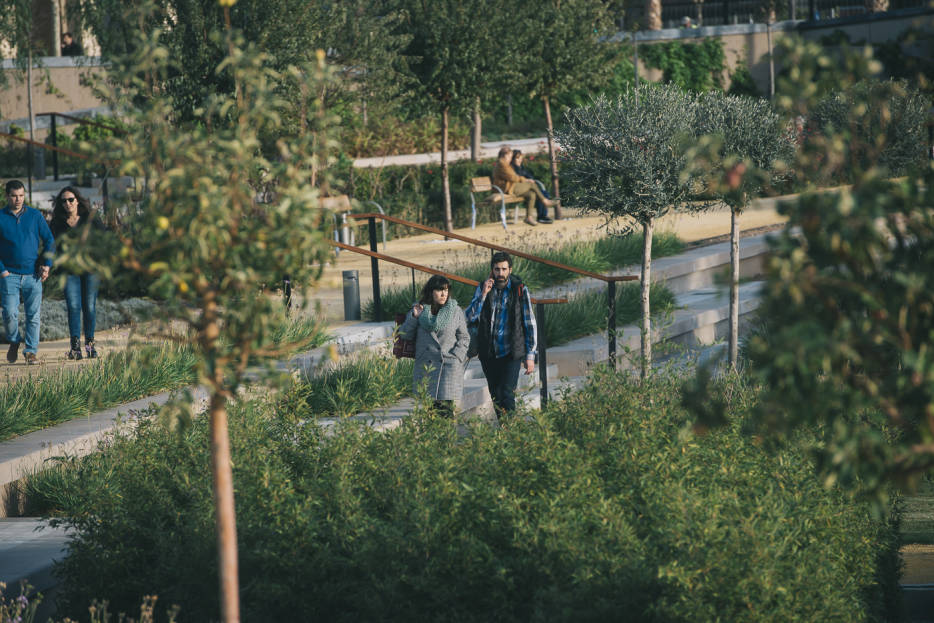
512, 183
521, 171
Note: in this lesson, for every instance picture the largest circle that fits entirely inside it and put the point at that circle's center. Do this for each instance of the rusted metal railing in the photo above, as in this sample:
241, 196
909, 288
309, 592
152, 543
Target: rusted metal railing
610, 280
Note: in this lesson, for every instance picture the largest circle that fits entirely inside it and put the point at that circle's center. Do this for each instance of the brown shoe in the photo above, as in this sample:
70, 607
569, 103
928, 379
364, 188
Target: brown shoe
12, 353
31, 359
529, 221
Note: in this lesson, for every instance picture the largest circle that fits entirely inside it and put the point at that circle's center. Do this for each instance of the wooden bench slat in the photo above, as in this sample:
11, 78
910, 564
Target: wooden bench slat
340, 203
481, 184
484, 185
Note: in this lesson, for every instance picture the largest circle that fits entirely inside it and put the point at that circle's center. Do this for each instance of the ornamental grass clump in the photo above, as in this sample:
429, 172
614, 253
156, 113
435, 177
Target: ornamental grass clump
122, 376
365, 380
607, 503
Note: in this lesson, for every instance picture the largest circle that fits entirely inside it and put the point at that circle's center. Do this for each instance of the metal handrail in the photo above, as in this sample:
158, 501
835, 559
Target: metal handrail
495, 247
427, 269
610, 280
81, 120
539, 303
67, 152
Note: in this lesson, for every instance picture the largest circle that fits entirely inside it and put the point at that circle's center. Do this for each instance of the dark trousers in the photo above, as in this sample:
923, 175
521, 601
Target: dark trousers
502, 376
540, 207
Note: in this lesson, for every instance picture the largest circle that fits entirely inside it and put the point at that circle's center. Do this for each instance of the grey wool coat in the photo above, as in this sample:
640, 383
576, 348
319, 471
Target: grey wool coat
440, 358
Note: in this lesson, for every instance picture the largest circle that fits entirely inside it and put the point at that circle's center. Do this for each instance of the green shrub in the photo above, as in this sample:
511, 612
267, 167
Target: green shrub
33, 403
607, 504
736, 533
363, 381
889, 134
692, 66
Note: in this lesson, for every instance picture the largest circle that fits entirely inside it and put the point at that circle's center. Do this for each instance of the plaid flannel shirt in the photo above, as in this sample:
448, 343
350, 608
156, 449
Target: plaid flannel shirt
501, 331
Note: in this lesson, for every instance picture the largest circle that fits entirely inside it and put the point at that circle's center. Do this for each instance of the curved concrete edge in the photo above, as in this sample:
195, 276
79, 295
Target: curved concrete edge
27, 453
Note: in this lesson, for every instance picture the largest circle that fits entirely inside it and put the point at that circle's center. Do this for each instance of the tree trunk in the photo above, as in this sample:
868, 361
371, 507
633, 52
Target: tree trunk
653, 14
553, 157
647, 228
225, 516
445, 184
56, 29
475, 135
734, 287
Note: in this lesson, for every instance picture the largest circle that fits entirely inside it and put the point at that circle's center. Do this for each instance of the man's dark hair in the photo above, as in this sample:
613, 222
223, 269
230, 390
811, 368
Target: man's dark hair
14, 185
67, 34
500, 256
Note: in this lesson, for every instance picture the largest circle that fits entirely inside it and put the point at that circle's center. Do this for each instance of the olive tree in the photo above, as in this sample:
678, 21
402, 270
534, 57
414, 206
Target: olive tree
624, 159
210, 252
753, 148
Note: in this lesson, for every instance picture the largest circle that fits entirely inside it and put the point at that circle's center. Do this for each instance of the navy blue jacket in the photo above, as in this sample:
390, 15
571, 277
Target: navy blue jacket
19, 241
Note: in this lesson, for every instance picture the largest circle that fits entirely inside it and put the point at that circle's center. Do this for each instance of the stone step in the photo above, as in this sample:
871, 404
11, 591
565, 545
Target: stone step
702, 318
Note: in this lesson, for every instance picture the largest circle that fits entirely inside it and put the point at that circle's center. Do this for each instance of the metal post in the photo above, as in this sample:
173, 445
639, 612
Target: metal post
54, 151
611, 321
542, 352
812, 10
374, 267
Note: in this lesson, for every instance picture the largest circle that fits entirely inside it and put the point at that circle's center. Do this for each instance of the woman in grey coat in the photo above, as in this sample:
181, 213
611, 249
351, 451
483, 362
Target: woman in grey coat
438, 326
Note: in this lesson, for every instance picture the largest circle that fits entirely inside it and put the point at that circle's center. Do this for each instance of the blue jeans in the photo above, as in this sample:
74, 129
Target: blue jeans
81, 300
29, 287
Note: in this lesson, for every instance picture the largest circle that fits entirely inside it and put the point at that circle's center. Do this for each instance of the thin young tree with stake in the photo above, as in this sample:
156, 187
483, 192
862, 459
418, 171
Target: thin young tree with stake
624, 159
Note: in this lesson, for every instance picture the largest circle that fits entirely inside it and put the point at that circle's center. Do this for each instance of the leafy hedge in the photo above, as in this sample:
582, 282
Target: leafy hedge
890, 134
414, 192
605, 507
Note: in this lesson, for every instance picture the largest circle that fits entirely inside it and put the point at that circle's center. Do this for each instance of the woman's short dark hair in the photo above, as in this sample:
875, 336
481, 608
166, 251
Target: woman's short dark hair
437, 282
500, 256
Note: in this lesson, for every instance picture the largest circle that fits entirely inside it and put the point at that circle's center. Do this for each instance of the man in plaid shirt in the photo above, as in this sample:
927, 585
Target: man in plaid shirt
507, 338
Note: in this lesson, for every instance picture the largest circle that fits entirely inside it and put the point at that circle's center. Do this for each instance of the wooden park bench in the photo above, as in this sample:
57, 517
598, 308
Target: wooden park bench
485, 185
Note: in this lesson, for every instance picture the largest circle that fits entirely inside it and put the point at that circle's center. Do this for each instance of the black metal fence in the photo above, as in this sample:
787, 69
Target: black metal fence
725, 12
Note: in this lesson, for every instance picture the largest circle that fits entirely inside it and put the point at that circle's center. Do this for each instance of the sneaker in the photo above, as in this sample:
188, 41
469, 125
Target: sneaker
75, 352
545, 220
31, 359
12, 353
89, 348
529, 221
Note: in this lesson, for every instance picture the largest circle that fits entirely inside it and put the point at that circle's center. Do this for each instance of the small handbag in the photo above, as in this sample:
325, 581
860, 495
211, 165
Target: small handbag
402, 348
474, 348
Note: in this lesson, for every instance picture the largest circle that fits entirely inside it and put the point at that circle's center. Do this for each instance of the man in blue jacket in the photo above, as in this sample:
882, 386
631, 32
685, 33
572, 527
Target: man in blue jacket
21, 272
